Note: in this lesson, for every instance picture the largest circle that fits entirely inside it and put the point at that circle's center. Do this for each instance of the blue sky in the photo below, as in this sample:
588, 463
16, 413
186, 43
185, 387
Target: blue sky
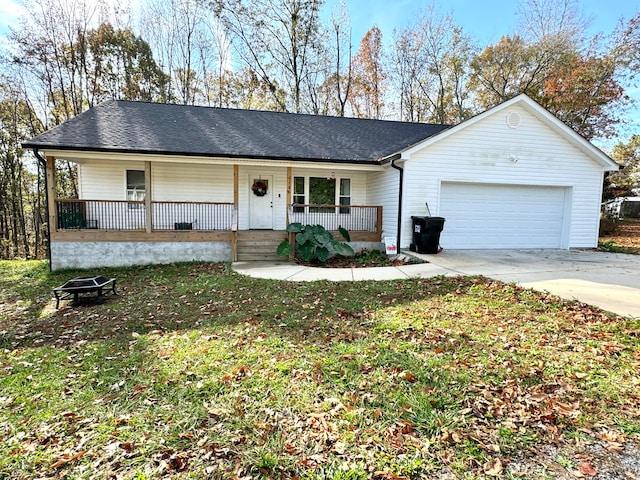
486, 21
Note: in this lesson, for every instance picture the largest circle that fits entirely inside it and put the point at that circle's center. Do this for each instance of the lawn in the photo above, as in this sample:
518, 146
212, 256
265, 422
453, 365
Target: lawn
194, 371
626, 238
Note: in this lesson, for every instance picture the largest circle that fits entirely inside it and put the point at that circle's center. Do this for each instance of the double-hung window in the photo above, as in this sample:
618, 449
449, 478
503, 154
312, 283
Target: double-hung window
135, 187
298, 194
345, 195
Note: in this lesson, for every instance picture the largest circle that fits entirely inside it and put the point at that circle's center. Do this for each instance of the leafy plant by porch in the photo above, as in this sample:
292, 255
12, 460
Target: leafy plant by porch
194, 371
314, 243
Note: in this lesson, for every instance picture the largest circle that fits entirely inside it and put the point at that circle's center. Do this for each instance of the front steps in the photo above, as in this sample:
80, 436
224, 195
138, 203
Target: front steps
259, 245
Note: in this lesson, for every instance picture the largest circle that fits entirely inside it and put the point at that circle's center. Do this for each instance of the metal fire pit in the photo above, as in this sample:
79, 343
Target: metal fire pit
76, 286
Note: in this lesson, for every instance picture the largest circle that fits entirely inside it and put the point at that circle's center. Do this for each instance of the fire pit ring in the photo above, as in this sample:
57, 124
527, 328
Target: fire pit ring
80, 285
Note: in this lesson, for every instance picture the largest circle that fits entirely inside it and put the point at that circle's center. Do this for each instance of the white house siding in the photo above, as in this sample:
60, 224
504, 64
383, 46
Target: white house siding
181, 182
382, 189
490, 152
100, 180
105, 180
178, 182
191, 183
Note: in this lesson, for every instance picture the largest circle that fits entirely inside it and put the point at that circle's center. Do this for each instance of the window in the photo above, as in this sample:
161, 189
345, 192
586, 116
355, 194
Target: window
322, 191
298, 193
345, 194
135, 187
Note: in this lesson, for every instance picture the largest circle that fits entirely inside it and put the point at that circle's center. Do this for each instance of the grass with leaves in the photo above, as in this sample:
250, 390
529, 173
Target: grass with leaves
624, 239
194, 371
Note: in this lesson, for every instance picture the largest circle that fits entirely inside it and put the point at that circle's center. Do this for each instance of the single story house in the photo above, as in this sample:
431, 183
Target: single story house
161, 183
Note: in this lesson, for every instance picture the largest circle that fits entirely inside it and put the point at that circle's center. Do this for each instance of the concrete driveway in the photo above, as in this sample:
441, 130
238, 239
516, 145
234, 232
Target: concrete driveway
610, 281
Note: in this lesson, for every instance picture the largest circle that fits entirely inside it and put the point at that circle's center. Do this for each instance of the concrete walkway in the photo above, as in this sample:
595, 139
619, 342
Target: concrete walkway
610, 281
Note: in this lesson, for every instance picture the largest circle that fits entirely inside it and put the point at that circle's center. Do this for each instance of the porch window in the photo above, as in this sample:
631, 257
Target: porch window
322, 191
345, 194
298, 193
135, 187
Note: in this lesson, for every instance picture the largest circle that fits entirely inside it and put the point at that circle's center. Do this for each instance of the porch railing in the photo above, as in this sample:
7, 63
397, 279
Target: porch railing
354, 218
192, 215
74, 214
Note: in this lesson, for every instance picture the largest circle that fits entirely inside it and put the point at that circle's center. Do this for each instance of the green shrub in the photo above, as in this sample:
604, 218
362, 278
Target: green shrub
315, 244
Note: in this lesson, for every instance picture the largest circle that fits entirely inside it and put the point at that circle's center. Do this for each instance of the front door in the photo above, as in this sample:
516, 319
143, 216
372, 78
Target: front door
261, 202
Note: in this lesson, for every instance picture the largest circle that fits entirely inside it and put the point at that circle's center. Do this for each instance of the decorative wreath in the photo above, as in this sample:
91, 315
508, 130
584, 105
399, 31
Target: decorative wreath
259, 188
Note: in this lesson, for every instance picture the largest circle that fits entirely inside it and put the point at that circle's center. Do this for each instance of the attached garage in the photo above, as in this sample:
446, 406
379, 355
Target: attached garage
512, 177
503, 216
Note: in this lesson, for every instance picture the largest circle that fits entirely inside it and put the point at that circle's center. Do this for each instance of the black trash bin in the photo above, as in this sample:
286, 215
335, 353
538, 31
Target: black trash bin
426, 234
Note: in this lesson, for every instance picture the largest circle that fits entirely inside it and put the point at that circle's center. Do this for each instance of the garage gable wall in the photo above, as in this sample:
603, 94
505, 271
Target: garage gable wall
510, 147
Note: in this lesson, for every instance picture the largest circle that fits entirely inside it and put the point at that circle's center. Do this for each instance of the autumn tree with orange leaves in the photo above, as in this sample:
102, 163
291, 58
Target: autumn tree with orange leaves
582, 92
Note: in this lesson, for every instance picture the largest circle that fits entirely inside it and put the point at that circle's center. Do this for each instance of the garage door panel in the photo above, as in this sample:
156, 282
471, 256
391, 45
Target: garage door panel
501, 216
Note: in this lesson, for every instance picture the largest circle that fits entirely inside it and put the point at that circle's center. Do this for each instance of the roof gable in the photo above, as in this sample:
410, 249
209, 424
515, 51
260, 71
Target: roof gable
537, 110
155, 128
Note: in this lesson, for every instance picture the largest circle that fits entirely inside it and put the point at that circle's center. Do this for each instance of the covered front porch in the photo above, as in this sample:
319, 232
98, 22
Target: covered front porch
188, 211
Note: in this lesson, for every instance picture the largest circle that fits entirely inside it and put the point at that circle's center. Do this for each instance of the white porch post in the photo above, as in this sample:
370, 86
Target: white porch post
234, 233
148, 196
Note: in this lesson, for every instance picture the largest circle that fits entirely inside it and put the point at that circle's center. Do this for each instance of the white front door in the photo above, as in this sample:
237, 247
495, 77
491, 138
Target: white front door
261, 202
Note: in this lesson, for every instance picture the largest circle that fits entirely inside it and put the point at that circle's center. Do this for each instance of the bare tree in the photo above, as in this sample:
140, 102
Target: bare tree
218, 87
367, 93
430, 62
343, 76
50, 44
558, 24
279, 40
180, 35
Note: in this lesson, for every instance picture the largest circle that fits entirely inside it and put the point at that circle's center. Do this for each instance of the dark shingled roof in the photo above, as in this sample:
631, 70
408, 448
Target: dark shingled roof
138, 127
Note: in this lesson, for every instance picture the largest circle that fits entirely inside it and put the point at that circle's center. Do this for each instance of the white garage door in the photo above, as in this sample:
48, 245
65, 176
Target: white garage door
501, 216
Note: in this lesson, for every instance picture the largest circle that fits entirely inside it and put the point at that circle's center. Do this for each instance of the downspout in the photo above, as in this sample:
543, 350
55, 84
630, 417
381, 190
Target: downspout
46, 202
401, 170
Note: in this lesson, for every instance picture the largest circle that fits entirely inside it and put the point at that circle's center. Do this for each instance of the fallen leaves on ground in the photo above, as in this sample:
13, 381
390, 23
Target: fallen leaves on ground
210, 374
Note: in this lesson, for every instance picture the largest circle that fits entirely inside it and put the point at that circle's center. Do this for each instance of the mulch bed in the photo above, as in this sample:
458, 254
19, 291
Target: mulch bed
361, 261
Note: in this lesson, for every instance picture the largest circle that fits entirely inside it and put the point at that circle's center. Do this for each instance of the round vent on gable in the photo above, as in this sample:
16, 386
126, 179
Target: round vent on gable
513, 120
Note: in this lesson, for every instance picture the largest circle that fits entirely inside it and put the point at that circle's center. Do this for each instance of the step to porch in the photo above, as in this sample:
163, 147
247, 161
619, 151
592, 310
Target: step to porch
259, 245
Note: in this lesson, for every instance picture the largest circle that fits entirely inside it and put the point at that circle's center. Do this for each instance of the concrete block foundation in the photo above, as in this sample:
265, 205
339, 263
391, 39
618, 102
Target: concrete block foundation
83, 255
